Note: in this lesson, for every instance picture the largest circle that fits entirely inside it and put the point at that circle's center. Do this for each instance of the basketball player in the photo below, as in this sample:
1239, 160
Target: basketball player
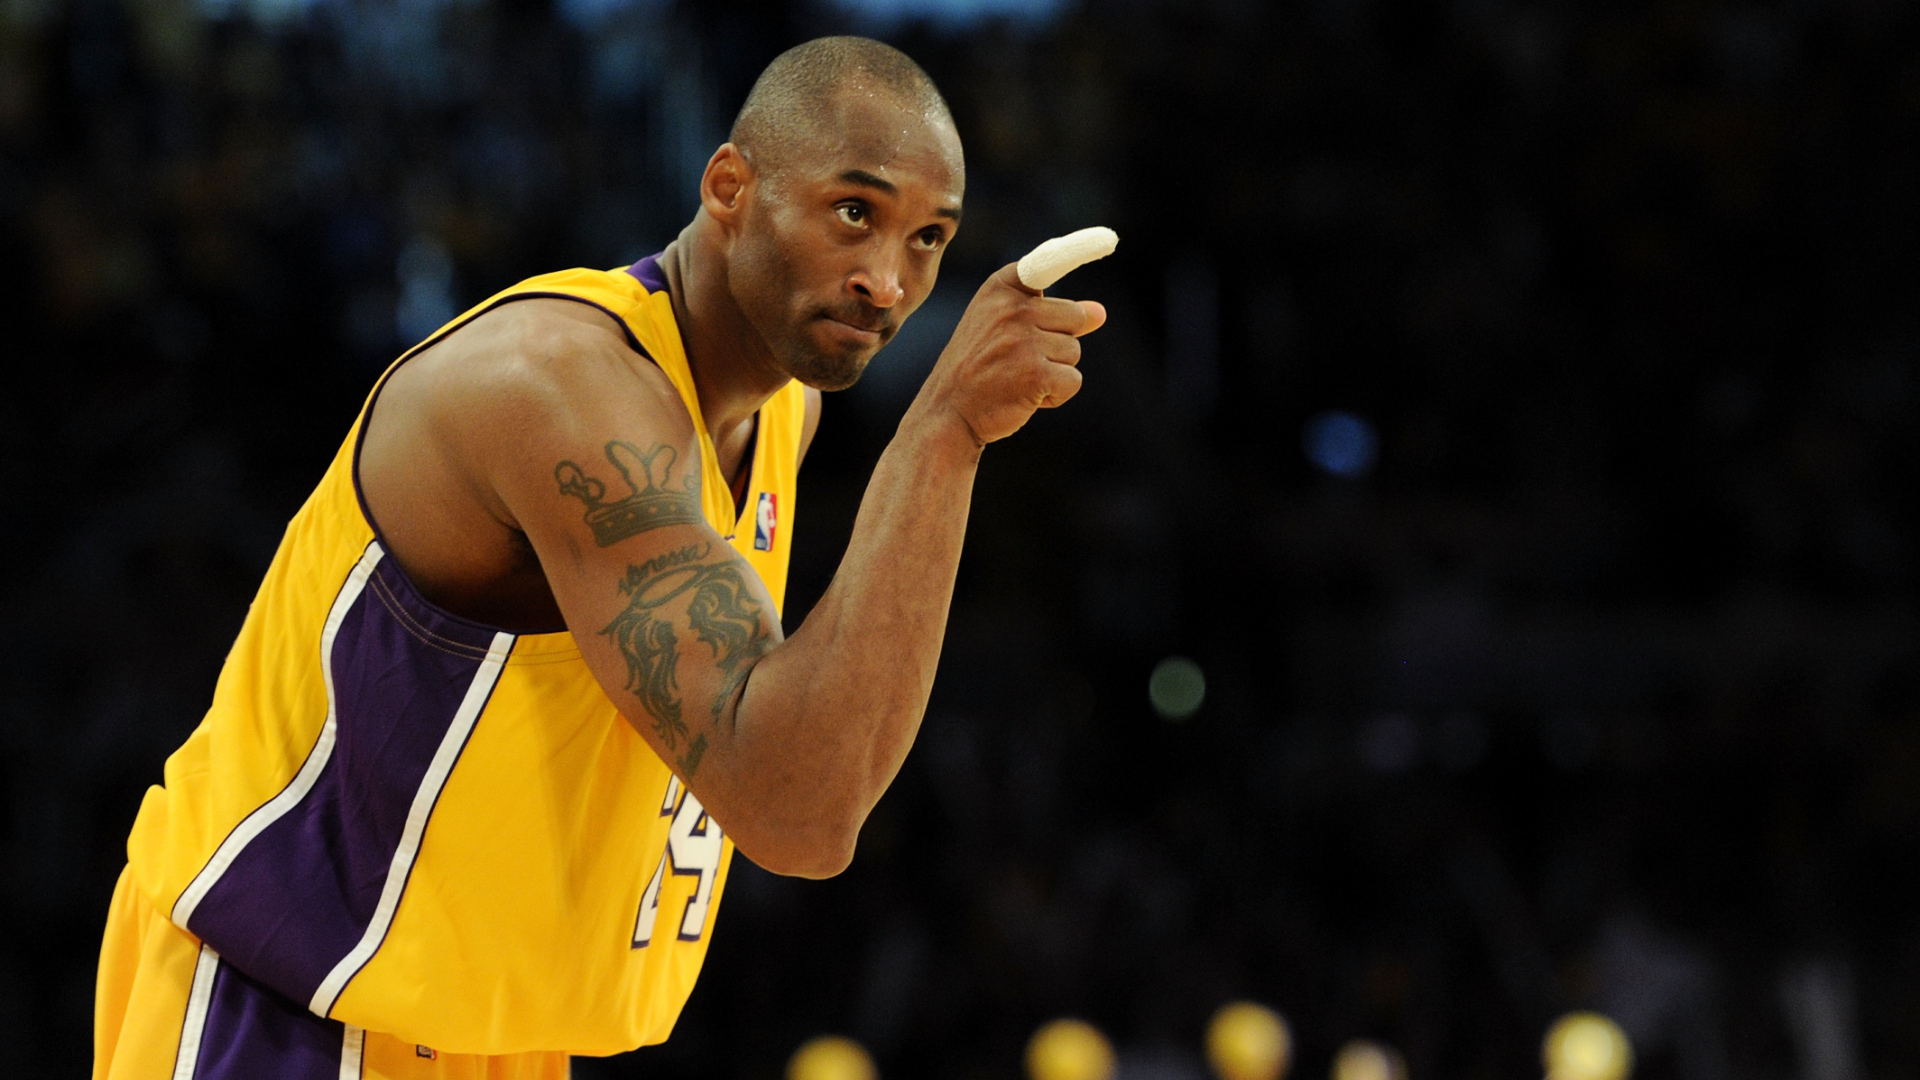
515, 684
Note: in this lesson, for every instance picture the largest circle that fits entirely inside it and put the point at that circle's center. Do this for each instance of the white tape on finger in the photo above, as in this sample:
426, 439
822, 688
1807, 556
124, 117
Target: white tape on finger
1061, 255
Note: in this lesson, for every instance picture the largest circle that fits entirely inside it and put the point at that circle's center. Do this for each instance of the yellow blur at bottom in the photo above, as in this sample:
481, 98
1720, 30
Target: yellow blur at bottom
1246, 1041
1069, 1050
1364, 1060
1586, 1046
140, 1004
831, 1057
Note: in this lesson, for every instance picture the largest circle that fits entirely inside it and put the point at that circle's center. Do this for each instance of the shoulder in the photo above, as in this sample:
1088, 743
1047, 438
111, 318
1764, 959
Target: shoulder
540, 369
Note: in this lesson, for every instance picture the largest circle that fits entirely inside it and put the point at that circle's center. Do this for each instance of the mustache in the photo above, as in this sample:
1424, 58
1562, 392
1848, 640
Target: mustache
864, 316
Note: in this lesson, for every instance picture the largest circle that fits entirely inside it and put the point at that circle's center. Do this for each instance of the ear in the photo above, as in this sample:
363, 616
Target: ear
724, 186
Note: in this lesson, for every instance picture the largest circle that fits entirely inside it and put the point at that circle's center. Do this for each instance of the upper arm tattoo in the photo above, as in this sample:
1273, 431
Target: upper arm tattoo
644, 507
719, 606
647, 641
725, 615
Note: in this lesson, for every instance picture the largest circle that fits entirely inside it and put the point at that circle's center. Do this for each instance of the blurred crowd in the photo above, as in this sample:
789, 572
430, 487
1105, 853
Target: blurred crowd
1508, 409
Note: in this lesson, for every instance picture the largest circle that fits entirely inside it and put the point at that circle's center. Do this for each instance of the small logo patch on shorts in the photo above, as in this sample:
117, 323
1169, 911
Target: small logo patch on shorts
425, 1052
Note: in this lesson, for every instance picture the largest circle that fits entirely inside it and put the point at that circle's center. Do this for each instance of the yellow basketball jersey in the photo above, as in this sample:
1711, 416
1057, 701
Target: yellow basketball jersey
424, 826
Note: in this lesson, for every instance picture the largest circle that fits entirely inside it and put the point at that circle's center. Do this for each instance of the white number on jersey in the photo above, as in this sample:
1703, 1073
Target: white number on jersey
694, 845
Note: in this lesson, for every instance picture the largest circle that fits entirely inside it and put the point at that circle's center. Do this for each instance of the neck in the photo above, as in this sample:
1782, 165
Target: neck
733, 371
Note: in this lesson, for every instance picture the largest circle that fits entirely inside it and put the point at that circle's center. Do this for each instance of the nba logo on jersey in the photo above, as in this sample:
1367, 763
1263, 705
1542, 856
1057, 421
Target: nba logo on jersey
765, 521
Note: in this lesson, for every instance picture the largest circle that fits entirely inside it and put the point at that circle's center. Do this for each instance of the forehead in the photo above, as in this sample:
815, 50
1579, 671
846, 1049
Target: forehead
873, 131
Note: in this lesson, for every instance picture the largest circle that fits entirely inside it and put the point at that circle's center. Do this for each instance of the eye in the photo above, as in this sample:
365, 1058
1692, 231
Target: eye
930, 239
853, 213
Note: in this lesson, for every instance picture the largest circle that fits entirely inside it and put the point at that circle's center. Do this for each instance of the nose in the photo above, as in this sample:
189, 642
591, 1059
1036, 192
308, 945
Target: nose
878, 283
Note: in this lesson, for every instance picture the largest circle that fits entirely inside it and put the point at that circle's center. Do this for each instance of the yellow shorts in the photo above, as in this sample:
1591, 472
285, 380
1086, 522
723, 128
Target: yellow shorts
167, 1008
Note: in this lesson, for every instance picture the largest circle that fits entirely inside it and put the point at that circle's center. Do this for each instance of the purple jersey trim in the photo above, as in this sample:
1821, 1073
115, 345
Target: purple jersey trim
649, 272
252, 1032
298, 898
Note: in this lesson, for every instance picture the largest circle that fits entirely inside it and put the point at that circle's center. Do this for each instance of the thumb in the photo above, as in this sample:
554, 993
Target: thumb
1096, 315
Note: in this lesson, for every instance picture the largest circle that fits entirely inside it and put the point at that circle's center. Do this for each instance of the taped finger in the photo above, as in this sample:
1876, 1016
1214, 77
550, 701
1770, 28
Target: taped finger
1061, 255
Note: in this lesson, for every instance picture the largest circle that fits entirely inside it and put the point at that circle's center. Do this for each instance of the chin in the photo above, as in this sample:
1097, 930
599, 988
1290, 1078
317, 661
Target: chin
827, 373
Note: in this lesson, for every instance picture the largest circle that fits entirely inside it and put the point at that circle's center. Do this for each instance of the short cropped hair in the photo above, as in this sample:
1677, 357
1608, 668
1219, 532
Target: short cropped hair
791, 96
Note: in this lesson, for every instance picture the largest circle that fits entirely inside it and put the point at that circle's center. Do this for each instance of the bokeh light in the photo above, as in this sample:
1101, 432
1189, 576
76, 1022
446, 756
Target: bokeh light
1177, 688
1248, 1041
831, 1057
1068, 1049
1363, 1059
1586, 1046
1341, 443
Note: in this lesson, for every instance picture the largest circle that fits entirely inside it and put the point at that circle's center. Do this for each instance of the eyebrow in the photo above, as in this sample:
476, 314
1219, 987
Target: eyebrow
863, 178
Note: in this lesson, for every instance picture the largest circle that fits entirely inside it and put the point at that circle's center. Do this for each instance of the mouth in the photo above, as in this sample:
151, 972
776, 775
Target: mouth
862, 332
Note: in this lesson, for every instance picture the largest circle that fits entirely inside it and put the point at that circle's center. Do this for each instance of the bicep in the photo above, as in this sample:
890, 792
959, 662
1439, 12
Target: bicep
667, 615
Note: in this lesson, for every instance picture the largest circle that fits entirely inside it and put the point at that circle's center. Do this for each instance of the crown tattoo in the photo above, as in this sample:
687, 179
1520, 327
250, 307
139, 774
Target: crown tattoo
648, 504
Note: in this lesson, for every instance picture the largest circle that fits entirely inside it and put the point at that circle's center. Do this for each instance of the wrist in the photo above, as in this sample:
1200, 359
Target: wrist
941, 430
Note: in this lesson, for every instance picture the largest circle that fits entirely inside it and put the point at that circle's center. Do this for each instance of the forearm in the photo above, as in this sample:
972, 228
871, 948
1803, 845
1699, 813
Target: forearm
787, 743
829, 715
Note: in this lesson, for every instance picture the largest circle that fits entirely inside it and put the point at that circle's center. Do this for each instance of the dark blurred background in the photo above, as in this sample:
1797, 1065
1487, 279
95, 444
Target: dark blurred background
1508, 409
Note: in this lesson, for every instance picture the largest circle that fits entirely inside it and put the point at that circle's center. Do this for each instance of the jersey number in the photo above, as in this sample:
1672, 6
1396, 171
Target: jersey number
693, 847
